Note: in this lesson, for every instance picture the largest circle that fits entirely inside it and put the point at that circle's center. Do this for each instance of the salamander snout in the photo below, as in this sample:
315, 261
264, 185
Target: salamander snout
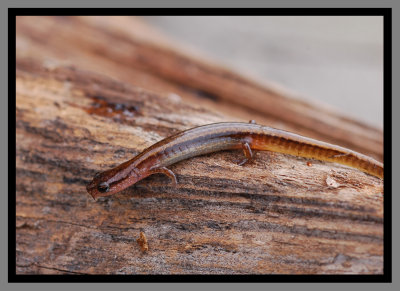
99, 186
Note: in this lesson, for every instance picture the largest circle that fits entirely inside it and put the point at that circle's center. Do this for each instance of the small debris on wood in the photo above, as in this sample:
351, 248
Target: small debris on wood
331, 182
142, 241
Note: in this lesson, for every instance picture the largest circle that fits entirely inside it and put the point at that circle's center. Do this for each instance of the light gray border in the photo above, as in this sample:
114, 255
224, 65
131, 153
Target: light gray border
395, 4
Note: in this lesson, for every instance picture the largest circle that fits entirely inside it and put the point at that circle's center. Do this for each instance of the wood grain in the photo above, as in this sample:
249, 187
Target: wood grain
277, 215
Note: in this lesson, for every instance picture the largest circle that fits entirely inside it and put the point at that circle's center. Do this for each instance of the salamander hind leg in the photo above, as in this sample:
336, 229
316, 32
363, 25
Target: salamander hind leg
166, 171
247, 153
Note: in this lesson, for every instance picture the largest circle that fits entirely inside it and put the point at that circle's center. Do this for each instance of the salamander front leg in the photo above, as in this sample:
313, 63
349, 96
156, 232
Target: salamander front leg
165, 171
247, 153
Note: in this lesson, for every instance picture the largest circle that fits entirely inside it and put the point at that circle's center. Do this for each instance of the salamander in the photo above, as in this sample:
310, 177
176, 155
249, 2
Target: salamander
223, 136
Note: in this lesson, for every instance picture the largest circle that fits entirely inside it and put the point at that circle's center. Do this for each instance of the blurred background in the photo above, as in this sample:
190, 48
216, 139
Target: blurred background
337, 60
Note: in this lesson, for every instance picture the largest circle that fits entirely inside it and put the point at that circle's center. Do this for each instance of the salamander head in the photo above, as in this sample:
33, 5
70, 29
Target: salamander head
112, 181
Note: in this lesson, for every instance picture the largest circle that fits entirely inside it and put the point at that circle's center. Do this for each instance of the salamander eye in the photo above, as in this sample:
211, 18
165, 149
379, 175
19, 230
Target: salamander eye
103, 187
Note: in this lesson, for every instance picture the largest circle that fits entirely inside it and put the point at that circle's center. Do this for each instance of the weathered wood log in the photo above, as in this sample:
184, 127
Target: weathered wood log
127, 49
279, 214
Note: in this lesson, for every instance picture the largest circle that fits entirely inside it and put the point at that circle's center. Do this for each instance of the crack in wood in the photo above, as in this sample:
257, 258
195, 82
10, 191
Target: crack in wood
60, 270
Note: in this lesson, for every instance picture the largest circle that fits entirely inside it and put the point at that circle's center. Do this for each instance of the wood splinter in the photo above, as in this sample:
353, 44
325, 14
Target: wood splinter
142, 241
